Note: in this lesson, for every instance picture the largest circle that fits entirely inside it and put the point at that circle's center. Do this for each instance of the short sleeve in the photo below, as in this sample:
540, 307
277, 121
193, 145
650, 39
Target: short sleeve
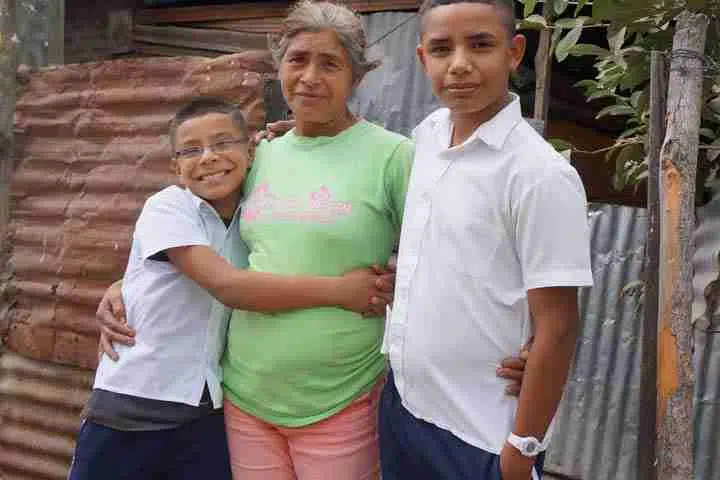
397, 176
169, 219
552, 233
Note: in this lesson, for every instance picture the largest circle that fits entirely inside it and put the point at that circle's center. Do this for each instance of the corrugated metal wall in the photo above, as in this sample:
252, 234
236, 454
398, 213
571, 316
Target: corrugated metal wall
93, 148
40, 405
707, 341
596, 433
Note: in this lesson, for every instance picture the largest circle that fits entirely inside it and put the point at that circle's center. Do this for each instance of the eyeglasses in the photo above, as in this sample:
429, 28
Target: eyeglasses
223, 146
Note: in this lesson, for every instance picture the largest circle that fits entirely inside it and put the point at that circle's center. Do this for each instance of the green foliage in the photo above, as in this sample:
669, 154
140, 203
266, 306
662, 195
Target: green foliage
622, 72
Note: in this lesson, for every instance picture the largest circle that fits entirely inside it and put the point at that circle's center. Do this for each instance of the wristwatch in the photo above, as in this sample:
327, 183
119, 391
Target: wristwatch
528, 446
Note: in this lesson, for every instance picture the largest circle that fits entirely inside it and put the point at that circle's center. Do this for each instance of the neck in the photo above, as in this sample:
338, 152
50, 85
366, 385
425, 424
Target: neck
325, 129
464, 124
225, 207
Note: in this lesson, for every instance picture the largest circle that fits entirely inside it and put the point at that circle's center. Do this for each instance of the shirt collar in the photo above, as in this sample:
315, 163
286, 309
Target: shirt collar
495, 131
201, 203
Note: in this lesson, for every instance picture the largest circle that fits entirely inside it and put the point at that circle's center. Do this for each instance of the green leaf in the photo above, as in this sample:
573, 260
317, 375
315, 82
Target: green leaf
713, 154
529, 7
601, 94
570, 22
563, 47
708, 133
582, 49
560, 6
615, 110
580, 5
533, 22
617, 39
559, 144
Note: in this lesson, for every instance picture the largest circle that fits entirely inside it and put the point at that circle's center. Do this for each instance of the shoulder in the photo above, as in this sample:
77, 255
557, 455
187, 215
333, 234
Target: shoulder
170, 199
533, 158
438, 118
383, 136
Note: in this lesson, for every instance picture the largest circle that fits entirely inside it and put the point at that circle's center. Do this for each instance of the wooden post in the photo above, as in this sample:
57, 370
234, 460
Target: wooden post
646, 466
678, 170
543, 68
8, 67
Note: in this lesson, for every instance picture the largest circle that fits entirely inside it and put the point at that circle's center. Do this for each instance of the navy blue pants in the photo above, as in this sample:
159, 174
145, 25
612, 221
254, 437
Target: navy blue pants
411, 448
197, 450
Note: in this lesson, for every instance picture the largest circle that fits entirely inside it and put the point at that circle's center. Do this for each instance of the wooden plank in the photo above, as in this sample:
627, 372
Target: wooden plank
253, 25
56, 33
543, 69
209, 13
223, 41
646, 465
676, 378
8, 85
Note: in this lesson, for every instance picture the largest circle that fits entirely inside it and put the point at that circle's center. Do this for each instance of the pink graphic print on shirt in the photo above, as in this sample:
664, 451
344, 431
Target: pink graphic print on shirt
319, 206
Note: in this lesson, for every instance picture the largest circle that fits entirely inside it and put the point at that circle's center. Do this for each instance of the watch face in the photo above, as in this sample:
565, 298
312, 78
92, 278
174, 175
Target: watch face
531, 447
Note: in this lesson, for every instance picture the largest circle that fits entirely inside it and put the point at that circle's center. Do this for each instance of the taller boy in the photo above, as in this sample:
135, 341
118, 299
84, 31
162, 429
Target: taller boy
494, 245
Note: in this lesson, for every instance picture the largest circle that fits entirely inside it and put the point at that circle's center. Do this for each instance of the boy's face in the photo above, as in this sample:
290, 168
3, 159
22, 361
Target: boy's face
211, 156
466, 51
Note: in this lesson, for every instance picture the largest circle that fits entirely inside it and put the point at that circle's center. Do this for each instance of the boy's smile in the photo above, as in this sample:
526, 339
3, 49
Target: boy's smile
467, 53
211, 158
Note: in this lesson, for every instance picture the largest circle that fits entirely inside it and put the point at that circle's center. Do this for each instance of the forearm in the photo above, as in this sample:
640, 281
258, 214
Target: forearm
546, 372
266, 292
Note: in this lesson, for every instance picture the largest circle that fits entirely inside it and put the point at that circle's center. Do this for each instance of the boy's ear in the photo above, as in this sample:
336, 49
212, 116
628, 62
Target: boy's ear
420, 52
517, 50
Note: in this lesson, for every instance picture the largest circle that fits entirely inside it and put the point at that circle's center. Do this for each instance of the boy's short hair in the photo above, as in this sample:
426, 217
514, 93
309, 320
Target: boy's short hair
507, 7
200, 106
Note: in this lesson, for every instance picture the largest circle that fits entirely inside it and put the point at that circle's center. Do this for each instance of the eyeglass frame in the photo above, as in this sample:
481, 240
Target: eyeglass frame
225, 147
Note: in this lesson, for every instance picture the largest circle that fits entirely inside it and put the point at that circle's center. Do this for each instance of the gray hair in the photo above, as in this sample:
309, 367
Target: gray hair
309, 16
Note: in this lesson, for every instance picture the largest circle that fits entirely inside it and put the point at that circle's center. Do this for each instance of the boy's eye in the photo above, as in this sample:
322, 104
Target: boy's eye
189, 152
480, 44
439, 50
223, 145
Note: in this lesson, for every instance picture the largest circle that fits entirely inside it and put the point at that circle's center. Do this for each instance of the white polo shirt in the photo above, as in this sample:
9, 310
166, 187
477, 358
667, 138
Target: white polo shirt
181, 328
484, 222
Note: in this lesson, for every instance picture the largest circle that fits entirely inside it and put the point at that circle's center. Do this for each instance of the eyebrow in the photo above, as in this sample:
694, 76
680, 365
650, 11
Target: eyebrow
324, 55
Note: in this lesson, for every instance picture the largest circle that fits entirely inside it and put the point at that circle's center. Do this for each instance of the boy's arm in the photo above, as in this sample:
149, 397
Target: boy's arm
265, 292
555, 315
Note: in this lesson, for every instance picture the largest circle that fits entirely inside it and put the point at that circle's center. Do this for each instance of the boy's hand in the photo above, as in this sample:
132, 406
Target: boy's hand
272, 130
366, 291
514, 465
513, 368
113, 324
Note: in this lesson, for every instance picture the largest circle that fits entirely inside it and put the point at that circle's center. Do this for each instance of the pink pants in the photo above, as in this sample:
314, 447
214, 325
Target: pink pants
342, 447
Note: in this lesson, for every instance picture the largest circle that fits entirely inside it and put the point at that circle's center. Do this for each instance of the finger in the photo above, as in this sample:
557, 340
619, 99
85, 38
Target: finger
115, 337
513, 390
524, 355
385, 283
117, 326
107, 348
375, 311
381, 299
510, 374
513, 363
118, 308
378, 270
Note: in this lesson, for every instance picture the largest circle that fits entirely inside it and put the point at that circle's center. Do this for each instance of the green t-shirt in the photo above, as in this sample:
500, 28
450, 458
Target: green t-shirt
315, 206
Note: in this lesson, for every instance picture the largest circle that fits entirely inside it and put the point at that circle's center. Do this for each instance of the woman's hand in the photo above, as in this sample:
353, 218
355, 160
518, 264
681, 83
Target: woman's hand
272, 130
110, 316
367, 290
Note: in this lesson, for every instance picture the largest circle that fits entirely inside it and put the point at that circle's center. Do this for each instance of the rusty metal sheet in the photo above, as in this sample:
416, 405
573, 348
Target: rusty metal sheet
706, 318
92, 147
40, 405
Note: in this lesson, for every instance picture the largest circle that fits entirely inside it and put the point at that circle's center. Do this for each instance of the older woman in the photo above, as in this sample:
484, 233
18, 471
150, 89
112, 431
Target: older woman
302, 387
325, 198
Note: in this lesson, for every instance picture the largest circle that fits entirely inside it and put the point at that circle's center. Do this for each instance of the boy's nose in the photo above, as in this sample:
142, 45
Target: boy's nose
460, 63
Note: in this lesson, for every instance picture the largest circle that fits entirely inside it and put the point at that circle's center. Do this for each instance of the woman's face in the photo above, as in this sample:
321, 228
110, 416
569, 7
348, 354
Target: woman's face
316, 76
